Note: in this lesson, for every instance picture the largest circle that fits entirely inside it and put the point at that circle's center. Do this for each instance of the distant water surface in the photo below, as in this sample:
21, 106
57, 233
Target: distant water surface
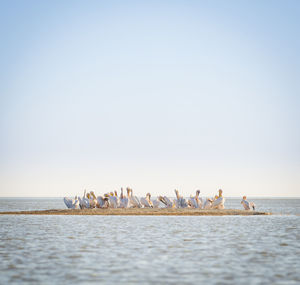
150, 249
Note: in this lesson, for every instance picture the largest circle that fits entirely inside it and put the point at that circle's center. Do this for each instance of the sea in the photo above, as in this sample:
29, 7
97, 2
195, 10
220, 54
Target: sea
150, 249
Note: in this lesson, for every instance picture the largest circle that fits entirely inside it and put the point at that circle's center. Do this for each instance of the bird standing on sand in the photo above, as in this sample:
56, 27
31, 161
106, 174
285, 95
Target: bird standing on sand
180, 202
166, 201
123, 200
146, 202
195, 202
72, 203
247, 205
218, 202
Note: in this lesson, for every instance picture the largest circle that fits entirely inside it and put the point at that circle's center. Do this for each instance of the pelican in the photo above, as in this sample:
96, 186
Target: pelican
77, 203
84, 202
146, 202
133, 201
72, 203
180, 202
90, 201
248, 205
81, 206
123, 200
93, 200
102, 202
156, 203
69, 202
195, 202
166, 201
208, 204
118, 199
113, 201
130, 200
218, 202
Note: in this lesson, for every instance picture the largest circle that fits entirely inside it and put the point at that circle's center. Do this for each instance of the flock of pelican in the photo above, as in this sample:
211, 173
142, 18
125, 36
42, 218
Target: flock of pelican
112, 200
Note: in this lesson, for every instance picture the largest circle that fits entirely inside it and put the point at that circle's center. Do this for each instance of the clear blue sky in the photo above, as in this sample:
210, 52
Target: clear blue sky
155, 95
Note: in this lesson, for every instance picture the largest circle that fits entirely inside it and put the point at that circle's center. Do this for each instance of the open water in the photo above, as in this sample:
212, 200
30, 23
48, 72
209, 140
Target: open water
150, 249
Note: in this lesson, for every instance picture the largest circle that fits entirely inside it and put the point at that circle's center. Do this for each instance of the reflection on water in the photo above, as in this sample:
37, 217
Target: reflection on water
150, 249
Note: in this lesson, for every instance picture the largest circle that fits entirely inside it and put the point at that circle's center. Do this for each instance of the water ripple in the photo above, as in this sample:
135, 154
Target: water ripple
171, 250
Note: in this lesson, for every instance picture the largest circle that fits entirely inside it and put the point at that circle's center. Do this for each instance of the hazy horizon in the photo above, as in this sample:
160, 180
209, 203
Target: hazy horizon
157, 96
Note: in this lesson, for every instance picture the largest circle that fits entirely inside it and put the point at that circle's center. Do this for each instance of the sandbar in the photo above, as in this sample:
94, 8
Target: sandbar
139, 212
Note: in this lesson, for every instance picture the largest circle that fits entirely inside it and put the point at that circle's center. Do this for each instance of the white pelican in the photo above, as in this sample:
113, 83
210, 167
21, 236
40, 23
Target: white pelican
180, 202
247, 205
123, 200
156, 203
146, 202
195, 202
130, 204
208, 204
72, 203
113, 201
134, 201
218, 202
84, 202
93, 200
166, 201
102, 202
68, 202
118, 199
81, 206
77, 203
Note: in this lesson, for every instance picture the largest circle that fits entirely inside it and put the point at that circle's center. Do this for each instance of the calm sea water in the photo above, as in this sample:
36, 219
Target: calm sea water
148, 250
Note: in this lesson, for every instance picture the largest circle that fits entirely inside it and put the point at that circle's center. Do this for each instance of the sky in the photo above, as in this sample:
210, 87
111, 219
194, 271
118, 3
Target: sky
155, 95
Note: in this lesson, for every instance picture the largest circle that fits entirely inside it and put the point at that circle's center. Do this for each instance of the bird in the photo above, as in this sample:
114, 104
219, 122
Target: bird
218, 202
93, 200
72, 203
156, 203
207, 204
180, 202
113, 201
102, 202
146, 202
166, 201
76, 205
134, 201
123, 200
247, 205
195, 202
84, 202
117, 198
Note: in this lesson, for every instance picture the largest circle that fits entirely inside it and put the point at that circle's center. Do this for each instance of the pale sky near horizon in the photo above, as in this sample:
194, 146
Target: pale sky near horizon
155, 95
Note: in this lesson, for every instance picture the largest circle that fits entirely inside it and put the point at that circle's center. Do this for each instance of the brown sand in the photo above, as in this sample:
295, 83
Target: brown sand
139, 212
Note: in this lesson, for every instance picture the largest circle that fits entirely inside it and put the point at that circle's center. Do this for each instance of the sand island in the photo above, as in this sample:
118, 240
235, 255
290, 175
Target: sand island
139, 212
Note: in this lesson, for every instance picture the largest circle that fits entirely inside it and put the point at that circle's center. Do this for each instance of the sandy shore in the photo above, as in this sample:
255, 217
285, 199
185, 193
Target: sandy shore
139, 212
